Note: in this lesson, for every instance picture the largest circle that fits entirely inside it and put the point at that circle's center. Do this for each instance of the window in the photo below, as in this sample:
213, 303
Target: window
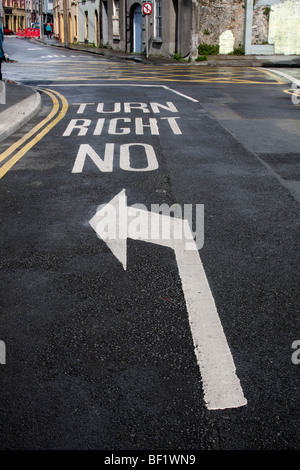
75, 27
116, 9
116, 18
157, 20
86, 26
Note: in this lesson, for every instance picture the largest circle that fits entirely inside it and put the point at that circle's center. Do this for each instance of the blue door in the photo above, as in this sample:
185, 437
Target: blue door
137, 29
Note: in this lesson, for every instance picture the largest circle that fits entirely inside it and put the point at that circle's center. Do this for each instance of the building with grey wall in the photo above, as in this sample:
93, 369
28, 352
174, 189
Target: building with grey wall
172, 26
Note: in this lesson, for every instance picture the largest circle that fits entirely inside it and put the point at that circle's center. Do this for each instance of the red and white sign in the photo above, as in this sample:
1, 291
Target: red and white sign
147, 8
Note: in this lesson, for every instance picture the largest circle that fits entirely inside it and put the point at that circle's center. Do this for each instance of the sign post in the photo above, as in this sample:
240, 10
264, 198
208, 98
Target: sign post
147, 10
41, 19
1, 14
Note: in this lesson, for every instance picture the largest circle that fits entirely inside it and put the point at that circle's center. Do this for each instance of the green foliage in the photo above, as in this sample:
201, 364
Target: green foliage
177, 56
267, 11
238, 51
208, 49
201, 58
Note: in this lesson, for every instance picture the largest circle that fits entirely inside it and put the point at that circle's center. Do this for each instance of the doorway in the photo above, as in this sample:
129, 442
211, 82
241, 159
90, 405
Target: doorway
104, 23
137, 29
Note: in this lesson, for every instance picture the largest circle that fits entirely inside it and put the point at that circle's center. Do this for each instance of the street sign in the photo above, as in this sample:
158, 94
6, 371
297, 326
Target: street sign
113, 224
147, 8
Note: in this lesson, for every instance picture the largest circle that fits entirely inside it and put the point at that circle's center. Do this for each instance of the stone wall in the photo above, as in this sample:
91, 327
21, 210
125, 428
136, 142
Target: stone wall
217, 16
260, 23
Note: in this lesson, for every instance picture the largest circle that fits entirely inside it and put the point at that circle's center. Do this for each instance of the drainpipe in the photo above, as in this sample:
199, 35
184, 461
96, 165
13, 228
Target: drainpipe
66, 19
1, 13
41, 19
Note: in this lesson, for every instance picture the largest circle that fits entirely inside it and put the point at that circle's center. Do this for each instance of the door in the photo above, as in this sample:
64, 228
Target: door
104, 23
137, 29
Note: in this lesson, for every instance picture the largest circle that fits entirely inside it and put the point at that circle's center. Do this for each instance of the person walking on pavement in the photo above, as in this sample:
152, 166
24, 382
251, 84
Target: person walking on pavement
2, 55
48, 30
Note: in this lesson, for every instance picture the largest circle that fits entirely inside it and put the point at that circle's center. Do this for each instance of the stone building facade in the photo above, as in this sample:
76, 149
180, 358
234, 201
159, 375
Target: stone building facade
14, 15
179, 26
172, 27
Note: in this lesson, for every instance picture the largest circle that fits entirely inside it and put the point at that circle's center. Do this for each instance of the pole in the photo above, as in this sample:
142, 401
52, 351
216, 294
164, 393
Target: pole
41, 19
248, 27
1, 14
66, 39
147, 39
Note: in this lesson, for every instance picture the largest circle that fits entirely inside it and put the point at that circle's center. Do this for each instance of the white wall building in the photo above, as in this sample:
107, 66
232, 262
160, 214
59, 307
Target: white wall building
31, 12
88, 21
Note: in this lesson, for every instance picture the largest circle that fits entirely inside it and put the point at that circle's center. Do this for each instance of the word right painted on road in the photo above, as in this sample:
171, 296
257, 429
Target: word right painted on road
143, 154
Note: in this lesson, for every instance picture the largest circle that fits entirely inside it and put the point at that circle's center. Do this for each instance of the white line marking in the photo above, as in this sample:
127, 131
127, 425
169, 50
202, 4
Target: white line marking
181, 94
285, 75
123, 85
222, 388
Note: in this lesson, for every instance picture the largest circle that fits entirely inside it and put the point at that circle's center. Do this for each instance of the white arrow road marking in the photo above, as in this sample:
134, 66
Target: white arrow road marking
221, 386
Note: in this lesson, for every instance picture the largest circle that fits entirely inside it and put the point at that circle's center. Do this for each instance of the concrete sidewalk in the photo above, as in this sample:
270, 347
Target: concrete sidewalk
212, 61
23, 103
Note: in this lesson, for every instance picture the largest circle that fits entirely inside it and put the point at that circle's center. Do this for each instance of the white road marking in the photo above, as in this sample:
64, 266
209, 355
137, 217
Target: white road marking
221, 386
52, 56
285, 75
124, 85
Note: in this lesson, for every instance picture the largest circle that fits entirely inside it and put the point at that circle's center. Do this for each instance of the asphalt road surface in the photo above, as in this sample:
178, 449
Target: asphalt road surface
133, 343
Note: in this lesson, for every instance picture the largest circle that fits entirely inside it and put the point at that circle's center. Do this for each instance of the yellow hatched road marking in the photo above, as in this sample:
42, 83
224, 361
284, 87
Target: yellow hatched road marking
106, 70
30, 135
192, 77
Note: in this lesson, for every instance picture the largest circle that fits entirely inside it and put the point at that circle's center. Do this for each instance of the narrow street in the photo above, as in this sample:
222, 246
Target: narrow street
118, 339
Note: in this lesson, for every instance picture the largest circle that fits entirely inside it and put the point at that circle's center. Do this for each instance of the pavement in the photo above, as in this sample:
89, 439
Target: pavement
19, 103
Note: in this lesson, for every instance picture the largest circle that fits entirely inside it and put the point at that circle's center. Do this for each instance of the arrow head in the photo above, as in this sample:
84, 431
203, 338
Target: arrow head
110, 224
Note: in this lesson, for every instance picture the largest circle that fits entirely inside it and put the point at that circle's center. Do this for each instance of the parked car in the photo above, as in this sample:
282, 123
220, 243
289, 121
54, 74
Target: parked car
8, 31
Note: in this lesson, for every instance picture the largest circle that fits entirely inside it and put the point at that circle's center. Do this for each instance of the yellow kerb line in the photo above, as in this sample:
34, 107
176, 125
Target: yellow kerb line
7, 166
33, 131
272, 75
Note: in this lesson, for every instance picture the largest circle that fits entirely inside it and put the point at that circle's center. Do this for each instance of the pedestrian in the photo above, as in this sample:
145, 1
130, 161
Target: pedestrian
48, 30
2, 55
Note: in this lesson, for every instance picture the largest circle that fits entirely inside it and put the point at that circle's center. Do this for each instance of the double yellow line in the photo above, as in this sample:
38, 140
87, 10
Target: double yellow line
59, 109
